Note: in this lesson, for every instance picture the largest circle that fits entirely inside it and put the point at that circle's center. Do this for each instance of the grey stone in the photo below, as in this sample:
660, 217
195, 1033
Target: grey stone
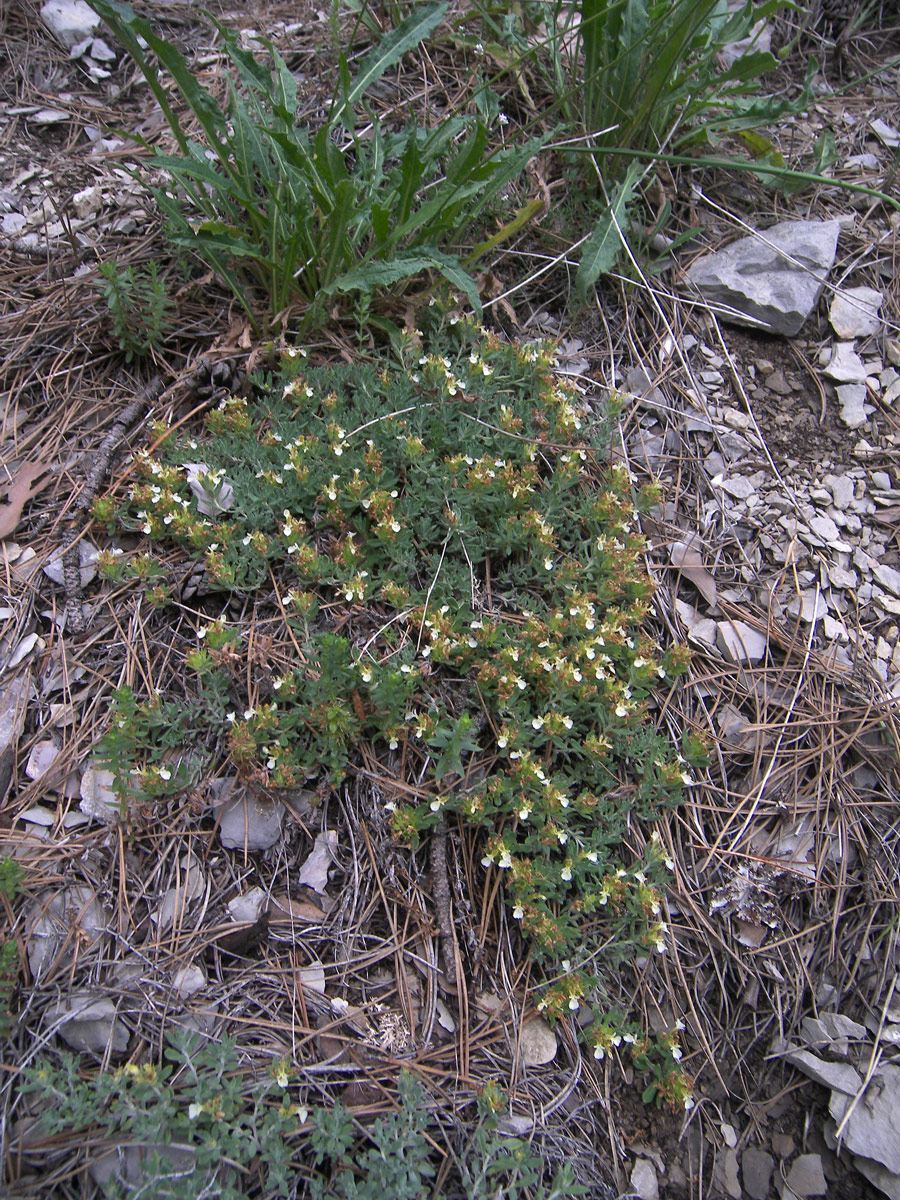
843, 490
731, 1178
840, 1077
823, 527
756, 277
815, 1034
873, 1128
839, 1026
888, 577
810, 605
741, 642
251, 822
778, 384
846, 366
841, 578
102, 52
87, 202
806, 1177
759, 38
854, 312
738, 486
643, 1180
854, 410
12, 223
130, 1163
87, 1021
70, 21
756, 1171
865, 162
886, 1181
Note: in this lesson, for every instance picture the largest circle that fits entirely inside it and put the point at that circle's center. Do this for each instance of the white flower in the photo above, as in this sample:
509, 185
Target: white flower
248, 713
281, 1078
505, 860
231, 717
518, 912
565, 874
574, 1004
165, 773
194, 1111
599, 1053
548, 564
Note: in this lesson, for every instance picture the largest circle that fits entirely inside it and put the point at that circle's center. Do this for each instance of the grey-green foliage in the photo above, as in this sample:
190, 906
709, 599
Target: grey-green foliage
138, 305
395, 1165
292, 216
203, 1130
11, 875
195, 1139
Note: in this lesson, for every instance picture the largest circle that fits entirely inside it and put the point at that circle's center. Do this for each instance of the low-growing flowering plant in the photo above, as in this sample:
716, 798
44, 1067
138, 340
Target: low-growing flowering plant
459, 568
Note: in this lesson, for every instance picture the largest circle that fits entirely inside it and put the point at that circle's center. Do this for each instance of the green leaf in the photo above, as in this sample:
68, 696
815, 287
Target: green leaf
369, 276
338, 221
761, 147
408, 34
129, 29
825, 152
602, 248
528, 211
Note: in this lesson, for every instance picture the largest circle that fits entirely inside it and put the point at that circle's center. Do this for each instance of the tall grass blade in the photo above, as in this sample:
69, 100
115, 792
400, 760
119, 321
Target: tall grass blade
409, 34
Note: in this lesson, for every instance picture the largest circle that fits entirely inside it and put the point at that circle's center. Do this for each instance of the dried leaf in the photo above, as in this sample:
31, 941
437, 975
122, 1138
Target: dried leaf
13, 704
246, 908
686, 558
98, 799
285, 910
312, 977
314, 872
31, 478
71, 916
445, 1016
245, 939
